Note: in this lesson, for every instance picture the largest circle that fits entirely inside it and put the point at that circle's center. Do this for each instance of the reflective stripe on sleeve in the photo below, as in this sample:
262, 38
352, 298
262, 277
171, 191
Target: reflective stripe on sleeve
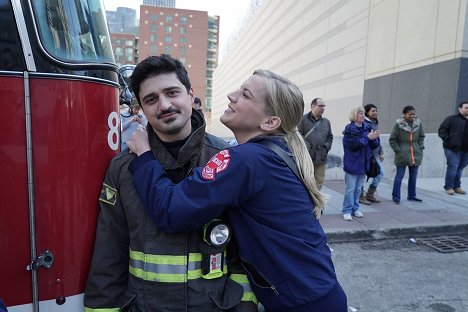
102, 310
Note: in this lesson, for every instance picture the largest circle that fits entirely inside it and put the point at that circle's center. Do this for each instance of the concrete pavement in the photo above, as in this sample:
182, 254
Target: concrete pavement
438, 214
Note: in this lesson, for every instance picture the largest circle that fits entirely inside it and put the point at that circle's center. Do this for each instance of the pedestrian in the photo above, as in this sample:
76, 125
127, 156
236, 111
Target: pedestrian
196, 105
130, 120
370, 111
318, 136
136, 266
359, 139
274, 211
407, 141
454, 133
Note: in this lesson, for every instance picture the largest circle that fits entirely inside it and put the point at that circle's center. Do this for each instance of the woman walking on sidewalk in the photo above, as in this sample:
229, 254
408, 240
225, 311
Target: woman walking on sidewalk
358, 140
407, 141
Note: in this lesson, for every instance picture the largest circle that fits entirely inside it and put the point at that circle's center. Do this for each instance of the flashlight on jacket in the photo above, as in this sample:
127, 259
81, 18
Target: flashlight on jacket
216, 236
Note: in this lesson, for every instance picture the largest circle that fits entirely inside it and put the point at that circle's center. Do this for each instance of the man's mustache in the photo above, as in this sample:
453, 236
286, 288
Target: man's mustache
168, 111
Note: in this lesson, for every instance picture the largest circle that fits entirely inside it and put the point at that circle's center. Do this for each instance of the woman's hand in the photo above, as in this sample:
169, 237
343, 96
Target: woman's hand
372, 135
138, 142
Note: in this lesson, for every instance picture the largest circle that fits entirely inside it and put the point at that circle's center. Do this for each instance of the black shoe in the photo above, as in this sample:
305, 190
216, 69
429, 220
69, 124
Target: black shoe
396, 201
415, 199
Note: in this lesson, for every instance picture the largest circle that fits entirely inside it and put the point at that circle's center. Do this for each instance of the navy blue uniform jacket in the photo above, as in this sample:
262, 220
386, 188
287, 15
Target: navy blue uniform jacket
281, 243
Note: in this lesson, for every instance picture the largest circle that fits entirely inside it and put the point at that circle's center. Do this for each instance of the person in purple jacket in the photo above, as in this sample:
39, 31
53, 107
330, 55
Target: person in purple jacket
266, 185
359, 139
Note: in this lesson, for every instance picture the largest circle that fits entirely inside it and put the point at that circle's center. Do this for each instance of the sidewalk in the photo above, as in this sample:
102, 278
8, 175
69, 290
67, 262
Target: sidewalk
438, 214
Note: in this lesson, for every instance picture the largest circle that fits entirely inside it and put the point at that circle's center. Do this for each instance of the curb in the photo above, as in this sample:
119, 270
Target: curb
401, 232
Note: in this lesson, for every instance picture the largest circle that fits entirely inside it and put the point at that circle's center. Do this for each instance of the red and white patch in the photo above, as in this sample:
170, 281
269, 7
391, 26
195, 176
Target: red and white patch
217, 164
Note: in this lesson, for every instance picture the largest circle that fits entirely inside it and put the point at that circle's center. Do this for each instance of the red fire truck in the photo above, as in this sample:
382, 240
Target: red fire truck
59, 92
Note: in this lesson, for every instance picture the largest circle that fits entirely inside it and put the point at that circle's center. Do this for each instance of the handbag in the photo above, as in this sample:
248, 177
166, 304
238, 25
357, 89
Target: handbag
374, 168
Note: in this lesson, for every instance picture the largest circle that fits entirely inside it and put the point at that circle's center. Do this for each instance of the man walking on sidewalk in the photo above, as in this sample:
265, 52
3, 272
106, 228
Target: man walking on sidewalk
317, 134
454, 133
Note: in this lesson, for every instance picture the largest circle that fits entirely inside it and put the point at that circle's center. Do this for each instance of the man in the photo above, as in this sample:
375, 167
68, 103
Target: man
130, 120
135, 266
317, 133
197, 104
454, 133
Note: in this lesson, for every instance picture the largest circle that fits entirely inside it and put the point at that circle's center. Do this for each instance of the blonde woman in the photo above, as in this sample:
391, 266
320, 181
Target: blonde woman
274, 212
358, 141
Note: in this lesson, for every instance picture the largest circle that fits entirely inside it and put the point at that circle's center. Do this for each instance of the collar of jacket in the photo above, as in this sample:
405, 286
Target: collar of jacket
371, 120
312, 117
190, 150
403, 124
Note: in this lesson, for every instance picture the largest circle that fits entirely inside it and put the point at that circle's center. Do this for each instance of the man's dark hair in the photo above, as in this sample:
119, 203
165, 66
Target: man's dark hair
157, 65
314, 101
461, 103
408, 109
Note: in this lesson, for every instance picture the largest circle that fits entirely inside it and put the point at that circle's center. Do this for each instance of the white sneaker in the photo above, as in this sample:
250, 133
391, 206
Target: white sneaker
358, 214
347, 217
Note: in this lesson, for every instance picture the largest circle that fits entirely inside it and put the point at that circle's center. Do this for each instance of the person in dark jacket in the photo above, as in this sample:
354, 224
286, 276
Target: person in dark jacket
407, 141
136, 266
370, 111
274, 212
316, 131
358, 141
454, 133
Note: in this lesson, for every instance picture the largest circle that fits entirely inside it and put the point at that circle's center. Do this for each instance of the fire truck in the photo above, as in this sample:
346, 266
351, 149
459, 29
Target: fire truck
60, 95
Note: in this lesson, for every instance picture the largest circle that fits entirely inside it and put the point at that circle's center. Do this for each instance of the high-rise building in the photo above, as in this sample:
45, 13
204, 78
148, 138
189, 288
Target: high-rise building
160, 3
188, 35
123, 20
125, 47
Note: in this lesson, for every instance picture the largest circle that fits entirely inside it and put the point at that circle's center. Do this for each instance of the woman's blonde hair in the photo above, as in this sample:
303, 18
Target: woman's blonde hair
353, 114
284, 99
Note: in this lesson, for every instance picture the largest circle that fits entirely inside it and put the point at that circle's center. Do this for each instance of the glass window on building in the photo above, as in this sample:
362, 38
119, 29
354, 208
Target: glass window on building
183, 30
168, 19
129, 43
118, 51
168, 39
154, 17
153, 49
117, 42
168, 29
167, 50
209, 83
209, 74
183, 51
129, 58
129, 51
208, 93
183, 40
154, 27
183, 20
153, 38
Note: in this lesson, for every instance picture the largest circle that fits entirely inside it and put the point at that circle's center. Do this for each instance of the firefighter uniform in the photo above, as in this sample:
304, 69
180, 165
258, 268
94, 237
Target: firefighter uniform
137, 267
281, 243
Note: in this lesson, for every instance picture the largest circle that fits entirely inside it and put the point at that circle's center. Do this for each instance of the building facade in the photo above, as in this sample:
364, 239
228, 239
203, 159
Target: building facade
352, 52
188, 35
161, 3
125, 47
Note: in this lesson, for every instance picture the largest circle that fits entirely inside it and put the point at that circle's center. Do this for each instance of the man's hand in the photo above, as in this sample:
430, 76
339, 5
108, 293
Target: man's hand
138, 142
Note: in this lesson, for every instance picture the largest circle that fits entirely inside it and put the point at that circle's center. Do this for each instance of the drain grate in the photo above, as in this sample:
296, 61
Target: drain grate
446, 243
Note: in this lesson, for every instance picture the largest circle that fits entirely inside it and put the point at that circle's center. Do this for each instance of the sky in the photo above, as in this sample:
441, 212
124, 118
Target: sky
230, 12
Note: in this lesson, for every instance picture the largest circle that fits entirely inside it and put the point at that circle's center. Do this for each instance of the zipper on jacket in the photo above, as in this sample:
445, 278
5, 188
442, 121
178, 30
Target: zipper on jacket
250, 268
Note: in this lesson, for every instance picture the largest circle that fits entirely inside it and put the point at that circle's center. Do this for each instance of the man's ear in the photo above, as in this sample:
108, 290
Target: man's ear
271, 123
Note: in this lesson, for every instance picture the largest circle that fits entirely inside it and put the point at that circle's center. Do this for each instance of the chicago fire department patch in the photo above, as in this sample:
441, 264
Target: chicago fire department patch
217, 164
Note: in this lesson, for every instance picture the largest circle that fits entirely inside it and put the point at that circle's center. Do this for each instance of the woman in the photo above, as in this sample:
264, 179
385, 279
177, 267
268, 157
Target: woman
358, 140
370, 112
274, 214
407, 141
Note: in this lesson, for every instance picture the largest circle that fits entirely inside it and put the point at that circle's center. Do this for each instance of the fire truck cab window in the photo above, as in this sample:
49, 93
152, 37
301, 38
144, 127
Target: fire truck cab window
11, 53
73, 30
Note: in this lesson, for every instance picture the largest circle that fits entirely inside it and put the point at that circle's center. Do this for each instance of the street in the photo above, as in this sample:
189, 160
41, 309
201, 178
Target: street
400, 276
